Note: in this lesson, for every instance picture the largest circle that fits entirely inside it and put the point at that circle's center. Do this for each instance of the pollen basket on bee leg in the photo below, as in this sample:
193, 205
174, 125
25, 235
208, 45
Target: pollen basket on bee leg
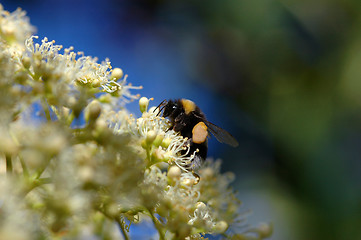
199, 133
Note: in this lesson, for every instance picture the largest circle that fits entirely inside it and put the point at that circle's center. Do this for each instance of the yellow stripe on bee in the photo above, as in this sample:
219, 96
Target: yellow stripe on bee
199, 133
188, 105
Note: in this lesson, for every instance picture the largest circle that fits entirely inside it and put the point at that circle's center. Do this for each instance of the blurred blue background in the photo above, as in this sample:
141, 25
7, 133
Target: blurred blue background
282, 76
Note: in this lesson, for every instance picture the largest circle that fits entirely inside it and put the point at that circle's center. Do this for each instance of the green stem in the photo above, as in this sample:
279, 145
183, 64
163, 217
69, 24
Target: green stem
42, 169
56, 112
23, 165
15, 115
46, 110
42, 181
36, 183
70, 118
39, 182
9, 164
157, 225
122, 228
116, 219
148, 154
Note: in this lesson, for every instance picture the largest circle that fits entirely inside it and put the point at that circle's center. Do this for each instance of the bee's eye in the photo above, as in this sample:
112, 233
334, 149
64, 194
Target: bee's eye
174, 107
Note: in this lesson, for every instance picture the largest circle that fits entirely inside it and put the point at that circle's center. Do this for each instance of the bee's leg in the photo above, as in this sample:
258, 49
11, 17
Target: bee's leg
179, 123
171, 127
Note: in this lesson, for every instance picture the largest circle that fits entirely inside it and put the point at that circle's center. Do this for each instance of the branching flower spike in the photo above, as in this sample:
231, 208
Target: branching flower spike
75, 164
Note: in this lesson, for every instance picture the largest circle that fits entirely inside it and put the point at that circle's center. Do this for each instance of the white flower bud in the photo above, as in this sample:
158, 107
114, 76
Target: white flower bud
7, 145
162, 165
66, 111
112, 209
93, 110
101, 124
265, 230
166, 142
201, 206
26, 61
117, 73
96, 83
71, 101
167, 156
174, 173
158, 155
220, 227
143, 104
105, 98
8, 30
151, 135
53, 144
158, 140
86, 173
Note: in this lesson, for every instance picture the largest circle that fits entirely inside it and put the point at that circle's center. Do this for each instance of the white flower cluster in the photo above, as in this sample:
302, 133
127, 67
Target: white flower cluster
202, 217
67, 71
15, 27
82, 163
74, 68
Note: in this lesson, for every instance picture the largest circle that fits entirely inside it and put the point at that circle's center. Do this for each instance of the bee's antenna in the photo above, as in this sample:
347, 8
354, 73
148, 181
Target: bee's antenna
161, 106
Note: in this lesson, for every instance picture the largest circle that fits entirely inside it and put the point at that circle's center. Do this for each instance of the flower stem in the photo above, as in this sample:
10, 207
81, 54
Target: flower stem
124, 232
9, 164
23, 165
46, 110
42, 169
70, 118
157, 225
36, 183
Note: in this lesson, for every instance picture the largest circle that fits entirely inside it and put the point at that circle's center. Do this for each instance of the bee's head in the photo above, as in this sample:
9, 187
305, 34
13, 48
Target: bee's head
168, 107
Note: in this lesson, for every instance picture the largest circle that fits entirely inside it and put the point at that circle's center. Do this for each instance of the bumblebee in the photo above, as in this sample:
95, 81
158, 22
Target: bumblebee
187, 119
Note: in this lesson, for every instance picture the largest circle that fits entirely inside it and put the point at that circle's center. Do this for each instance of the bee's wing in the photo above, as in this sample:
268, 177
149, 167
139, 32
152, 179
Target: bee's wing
221, 135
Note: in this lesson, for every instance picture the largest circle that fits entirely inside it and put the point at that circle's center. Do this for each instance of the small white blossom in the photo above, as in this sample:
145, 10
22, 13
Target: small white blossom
155, 176
202, 217
185, 196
